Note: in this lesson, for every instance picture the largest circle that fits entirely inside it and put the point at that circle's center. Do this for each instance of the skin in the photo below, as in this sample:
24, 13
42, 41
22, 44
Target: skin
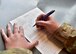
50, 24
16, 38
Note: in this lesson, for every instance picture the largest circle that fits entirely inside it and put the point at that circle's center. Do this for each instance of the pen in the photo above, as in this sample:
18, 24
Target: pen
46, 16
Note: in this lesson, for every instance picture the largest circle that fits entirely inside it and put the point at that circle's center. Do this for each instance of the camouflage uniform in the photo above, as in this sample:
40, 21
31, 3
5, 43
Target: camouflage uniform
16, 51
67, 35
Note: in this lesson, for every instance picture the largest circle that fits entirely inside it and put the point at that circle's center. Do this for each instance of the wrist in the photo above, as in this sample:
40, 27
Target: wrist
55, 27
59, 33
64, 33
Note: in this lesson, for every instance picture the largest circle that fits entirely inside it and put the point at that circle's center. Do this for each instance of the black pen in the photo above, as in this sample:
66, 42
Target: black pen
46, 16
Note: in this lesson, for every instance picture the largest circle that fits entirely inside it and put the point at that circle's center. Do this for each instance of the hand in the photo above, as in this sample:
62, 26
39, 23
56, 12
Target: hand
50, 24
16, 39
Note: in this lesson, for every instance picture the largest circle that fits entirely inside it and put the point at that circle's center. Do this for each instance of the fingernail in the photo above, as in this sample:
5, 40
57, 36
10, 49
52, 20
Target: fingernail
37, 42
1, 30
14, 23
8, 24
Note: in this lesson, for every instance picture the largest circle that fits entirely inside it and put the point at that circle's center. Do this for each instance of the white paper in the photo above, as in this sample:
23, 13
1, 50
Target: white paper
31, 33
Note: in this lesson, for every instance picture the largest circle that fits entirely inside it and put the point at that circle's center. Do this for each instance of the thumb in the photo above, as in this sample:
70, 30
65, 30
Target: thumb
41, 23
33, 44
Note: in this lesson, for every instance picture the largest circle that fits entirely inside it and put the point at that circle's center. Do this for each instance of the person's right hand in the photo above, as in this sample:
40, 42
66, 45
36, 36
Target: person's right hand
50, 24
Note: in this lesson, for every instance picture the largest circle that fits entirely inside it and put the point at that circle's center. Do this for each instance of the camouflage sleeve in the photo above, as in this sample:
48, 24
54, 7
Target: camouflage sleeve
16, 51
66, 34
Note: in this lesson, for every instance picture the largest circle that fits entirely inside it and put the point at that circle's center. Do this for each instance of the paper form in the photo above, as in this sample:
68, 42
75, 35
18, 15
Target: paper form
27, 20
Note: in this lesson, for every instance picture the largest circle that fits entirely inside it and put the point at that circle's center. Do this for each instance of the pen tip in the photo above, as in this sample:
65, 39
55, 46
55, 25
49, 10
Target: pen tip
53, 10
33, 25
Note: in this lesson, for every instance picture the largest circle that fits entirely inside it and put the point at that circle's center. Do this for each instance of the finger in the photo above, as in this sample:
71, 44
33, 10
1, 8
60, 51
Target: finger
33, 44
21, 30
4, 35
9, 31
40, 17
42, 23
15, 28
50, 18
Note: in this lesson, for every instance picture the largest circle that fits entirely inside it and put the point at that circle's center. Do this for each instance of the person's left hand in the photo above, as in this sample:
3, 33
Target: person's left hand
16, 39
